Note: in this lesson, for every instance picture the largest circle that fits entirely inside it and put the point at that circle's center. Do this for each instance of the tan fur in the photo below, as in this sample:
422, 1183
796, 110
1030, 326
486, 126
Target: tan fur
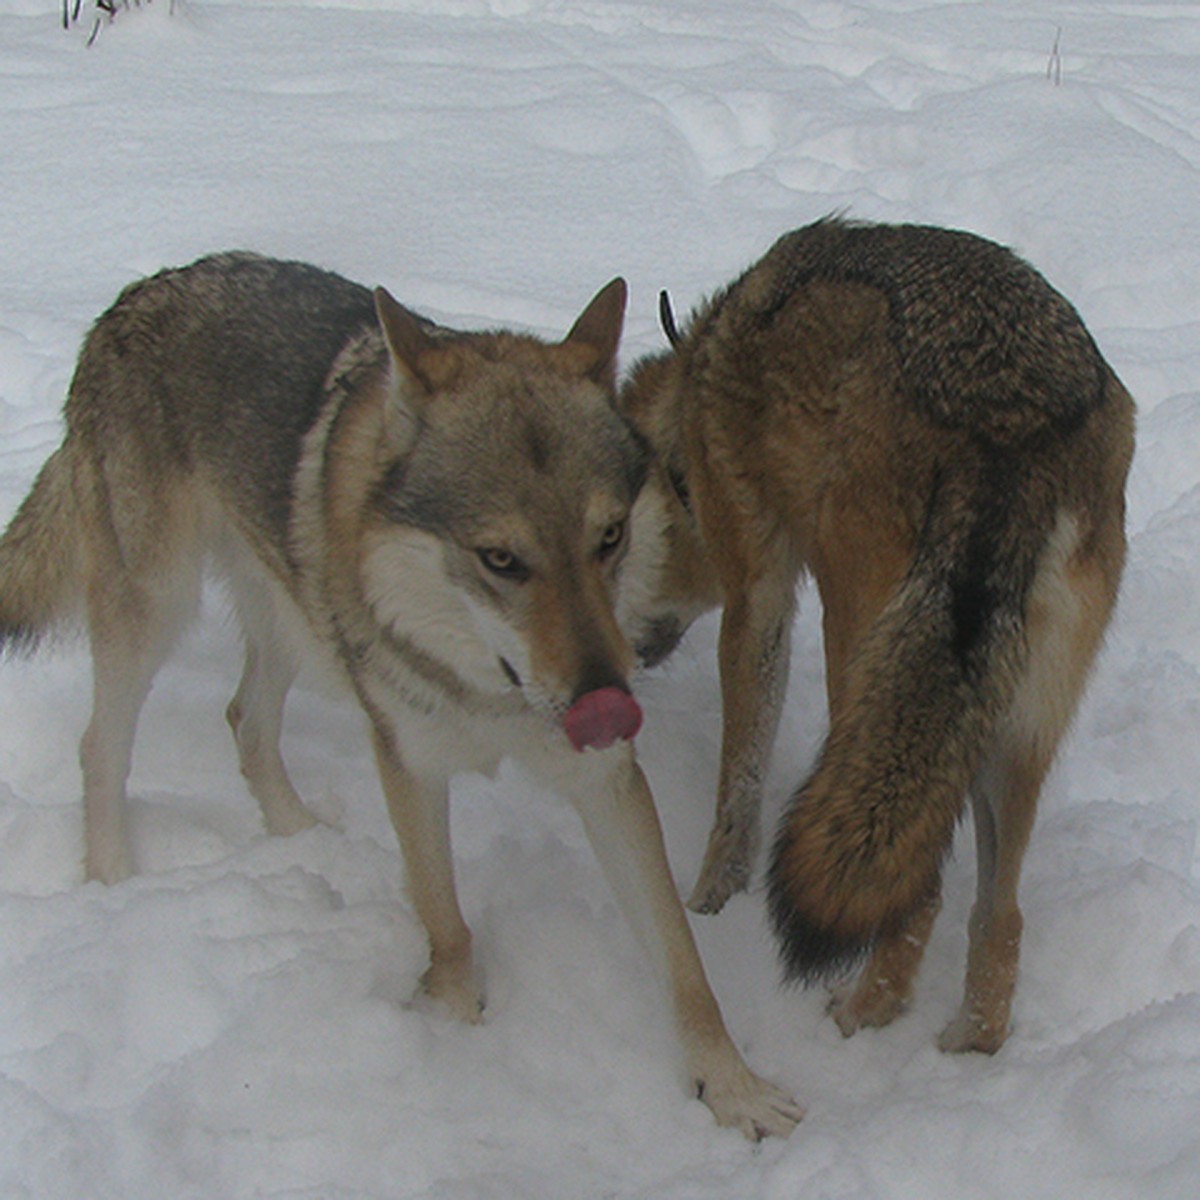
457, 523
917, 420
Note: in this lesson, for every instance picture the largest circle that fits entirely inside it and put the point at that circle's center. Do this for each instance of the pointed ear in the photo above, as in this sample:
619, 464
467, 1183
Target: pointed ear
417, 357
597, 333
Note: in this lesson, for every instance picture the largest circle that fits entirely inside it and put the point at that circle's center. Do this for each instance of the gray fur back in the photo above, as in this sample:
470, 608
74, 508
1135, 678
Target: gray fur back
222, 363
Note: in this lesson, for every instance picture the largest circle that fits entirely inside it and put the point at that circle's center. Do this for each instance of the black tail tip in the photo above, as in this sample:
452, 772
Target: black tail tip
812, 952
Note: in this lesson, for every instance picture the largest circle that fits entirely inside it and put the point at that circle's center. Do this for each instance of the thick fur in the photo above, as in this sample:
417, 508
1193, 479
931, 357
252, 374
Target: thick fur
458, 522
916, 418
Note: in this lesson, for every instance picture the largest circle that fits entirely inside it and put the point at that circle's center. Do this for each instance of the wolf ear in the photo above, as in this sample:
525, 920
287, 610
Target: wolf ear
420, 359
596, 334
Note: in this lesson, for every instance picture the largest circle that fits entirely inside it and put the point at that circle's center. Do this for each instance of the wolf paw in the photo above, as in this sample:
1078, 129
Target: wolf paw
456, 996
286, 822
710, 894
868, 1004
108, 864
726, 870
758, 1108
970, 1032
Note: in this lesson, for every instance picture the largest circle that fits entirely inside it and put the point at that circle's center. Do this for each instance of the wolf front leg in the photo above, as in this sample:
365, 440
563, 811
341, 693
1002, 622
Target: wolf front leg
420, 812
754, 650
622, 826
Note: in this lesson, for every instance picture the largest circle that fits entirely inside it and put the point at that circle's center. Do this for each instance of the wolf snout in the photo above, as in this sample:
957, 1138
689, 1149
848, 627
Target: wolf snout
601, 717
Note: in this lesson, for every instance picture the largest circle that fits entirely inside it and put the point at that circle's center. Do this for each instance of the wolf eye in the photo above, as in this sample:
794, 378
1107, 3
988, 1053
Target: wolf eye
503, 563
611, 538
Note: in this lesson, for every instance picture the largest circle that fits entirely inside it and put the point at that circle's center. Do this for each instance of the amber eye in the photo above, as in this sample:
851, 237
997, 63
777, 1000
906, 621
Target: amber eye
611, 538
503, 563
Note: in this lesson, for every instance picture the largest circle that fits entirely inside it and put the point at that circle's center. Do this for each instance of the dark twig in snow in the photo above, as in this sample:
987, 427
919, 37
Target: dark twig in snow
105, 10
1054, 64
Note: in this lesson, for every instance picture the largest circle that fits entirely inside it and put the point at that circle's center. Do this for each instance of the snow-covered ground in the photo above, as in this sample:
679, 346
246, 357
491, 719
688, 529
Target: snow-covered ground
232, 1023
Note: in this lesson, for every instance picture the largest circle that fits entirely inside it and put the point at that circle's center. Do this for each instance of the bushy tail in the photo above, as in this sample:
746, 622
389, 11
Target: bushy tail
39, 561
862, 845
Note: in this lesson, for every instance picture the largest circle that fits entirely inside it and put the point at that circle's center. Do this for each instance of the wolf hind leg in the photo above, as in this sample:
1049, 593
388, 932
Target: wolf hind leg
1068, 610
255, 714
1003, 802
884, 988
132, 628
122, 672
858, 572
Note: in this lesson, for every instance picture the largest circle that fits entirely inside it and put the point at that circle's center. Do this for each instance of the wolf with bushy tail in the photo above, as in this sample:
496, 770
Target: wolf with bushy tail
918, 420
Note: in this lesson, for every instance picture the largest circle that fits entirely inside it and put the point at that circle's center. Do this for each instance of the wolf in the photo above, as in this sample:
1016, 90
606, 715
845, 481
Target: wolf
914, 417
459, 523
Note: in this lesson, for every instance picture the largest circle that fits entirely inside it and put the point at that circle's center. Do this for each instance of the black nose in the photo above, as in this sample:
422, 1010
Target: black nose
595, 676
658, 640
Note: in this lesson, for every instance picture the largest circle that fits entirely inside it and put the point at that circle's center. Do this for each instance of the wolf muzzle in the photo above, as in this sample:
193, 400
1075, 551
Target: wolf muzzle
601, 717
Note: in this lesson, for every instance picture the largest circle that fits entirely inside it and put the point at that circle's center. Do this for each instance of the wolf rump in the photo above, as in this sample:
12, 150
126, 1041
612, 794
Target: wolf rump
459, 520
916, 418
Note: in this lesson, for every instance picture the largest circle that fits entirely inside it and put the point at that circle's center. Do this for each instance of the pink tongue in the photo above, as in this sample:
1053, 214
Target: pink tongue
599, 718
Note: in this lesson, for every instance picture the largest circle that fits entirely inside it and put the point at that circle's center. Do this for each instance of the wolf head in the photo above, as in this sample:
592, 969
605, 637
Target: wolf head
513, 520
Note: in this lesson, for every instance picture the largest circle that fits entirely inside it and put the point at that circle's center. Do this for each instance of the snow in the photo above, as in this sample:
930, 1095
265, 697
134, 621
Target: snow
233, 1021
